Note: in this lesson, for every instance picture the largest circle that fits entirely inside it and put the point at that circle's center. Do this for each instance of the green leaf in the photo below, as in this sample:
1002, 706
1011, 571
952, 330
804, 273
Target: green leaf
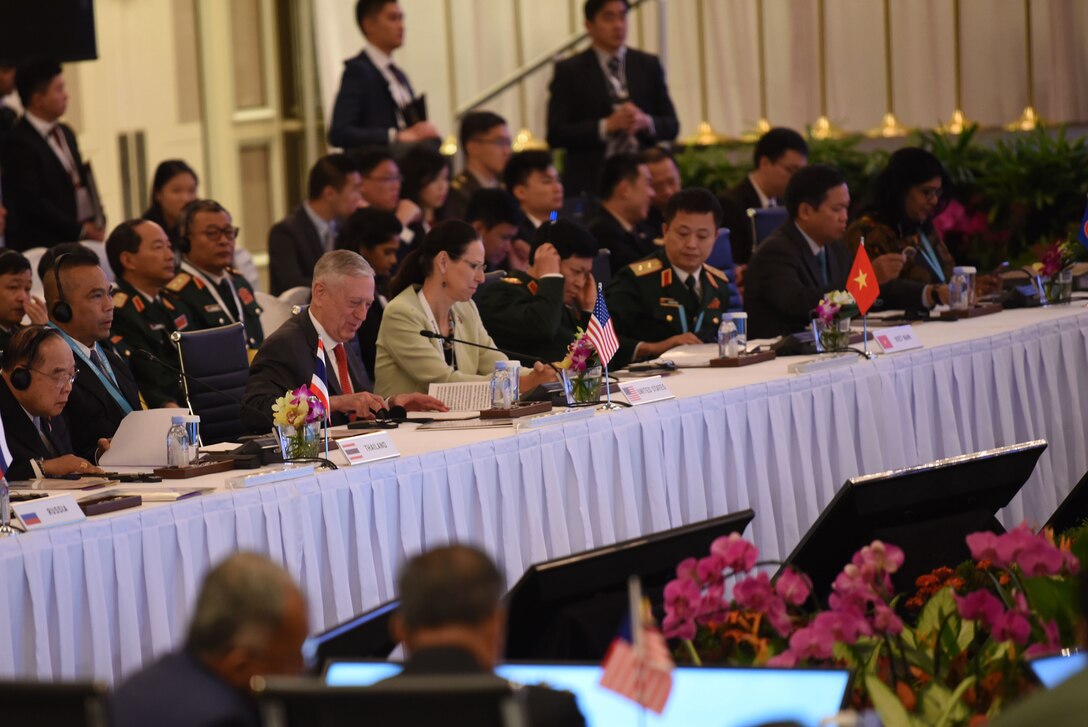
938, 705
887, 704
1054, 599
957, 709
934, 612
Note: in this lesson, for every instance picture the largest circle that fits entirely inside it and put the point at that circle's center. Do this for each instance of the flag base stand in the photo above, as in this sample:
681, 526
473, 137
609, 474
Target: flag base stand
5, 509
608, 405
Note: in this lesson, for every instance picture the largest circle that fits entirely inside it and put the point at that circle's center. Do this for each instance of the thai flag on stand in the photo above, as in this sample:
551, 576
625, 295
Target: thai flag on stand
319, 384
600, 331
638, 665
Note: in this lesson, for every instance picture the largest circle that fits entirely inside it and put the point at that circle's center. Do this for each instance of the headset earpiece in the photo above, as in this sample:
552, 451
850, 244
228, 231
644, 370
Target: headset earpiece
62, 312
20, 378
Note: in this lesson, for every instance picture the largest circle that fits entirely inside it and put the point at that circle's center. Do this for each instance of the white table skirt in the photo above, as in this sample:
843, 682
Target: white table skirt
103, 598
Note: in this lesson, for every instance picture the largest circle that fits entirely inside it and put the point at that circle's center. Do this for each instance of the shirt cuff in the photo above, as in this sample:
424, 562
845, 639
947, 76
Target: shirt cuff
602, 129
551, 275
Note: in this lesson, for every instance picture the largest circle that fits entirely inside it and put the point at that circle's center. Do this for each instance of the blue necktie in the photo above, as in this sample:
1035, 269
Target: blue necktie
822, 257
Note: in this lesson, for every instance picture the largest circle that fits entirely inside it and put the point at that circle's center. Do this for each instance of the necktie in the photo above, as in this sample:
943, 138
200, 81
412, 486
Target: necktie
43, 432
227, 294
822, 258
342, 372
690, 285
102, 365
58, 137
399, 75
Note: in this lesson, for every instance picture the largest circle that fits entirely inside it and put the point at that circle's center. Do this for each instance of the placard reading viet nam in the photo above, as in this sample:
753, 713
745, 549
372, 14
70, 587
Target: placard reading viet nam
368, 448
899, 338
645, 391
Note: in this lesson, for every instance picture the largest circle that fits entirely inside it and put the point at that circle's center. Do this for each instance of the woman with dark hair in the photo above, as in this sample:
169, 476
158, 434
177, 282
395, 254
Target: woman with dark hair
433, 292
898, 220
173, 187
426, 175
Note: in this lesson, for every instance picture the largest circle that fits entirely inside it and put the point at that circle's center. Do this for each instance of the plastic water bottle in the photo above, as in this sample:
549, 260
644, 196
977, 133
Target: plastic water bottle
727, 332
177, 444
501, 387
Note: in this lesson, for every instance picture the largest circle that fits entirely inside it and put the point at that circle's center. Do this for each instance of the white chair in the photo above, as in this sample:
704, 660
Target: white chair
274, 312
298, 295
34, 255
243, 263
103, 260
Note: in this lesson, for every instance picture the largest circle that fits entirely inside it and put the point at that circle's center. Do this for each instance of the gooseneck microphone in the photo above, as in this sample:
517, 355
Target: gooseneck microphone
507, 352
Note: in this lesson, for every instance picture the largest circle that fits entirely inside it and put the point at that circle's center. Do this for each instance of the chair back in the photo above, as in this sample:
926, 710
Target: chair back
721, 255
298, 295
274, 311
602, 268
765, 221
216, 365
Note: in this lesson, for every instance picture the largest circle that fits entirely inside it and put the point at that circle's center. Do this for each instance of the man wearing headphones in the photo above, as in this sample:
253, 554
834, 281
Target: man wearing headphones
213, 293
37, 371
81, 309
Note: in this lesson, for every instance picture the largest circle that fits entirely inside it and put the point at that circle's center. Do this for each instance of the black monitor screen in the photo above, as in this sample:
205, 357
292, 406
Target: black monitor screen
62, 30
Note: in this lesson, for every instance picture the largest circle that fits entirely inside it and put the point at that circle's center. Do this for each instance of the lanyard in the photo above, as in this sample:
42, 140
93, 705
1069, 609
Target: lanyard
458, 364
931, 256
214, 290
107, 381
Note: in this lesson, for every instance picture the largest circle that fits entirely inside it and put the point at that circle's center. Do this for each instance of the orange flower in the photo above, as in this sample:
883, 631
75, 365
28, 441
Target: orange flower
906, 696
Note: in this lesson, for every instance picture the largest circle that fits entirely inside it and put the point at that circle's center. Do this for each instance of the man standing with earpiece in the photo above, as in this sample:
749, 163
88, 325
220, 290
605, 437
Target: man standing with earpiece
37, 371
213, 293
77, 294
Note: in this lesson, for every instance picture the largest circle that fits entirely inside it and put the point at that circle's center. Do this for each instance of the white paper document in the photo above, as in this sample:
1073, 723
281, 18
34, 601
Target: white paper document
466, 396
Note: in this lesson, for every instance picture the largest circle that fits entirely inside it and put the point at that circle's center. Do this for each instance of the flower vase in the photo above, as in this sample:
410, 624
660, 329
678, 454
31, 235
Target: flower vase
831, 335
586, 387
1058, 288
299, 442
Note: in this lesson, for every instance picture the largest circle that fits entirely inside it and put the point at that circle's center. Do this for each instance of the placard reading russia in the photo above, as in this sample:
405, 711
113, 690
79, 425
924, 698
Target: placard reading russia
368, 448
48, 511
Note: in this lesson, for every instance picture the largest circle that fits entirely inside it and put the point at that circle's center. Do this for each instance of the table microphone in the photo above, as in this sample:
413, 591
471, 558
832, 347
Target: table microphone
507, 352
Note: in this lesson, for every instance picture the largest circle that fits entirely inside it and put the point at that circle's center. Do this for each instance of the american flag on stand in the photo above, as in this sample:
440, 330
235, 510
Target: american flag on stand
319, 385
600, 331
640, 668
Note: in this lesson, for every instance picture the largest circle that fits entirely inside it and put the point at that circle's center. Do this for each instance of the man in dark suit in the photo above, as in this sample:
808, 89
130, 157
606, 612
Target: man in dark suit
250, 619
805, 259
451, 621
607, 99
533, 180
620, 227
142, 258
342, 293
296, 243
37, 372
673, 297
46, 187
375, 104
777, 156
81, 308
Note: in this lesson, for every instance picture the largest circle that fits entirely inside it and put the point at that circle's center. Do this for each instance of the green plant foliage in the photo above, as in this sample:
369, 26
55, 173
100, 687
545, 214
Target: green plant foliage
859, 167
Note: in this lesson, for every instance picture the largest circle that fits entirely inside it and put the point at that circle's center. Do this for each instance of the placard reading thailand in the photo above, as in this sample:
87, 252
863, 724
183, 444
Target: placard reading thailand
46, 512
368, 448
899, 338
645, 391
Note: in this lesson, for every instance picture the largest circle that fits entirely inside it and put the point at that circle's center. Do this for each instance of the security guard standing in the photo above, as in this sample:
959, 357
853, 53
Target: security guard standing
140, 253
673, 297
211, 291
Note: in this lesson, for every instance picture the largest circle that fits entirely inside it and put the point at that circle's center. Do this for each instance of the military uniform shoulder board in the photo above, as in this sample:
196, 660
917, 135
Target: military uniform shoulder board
512, 281
645, 267
246, 295
119, 299
715, 272
179, 282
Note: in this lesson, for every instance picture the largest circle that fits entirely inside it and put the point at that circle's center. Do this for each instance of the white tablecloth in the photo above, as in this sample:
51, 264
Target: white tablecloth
105, 597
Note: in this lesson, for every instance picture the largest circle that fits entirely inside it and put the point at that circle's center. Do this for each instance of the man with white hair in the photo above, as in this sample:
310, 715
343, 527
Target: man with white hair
341, 295
250, 619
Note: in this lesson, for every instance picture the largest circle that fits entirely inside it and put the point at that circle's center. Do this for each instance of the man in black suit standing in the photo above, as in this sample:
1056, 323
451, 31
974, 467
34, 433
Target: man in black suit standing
250, 619
777, 156
37, 372
342, 293
620, 227
451, 621
607, 99
81, 309
376, 104
296, 243
46, 186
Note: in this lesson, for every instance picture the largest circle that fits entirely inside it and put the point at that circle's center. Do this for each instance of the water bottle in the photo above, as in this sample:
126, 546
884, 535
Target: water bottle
177, 444
957, 291
727, 333
501, 389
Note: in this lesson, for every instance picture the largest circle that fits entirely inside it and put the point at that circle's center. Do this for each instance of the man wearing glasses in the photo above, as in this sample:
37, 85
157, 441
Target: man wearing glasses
38, 370
485, 139
212, 292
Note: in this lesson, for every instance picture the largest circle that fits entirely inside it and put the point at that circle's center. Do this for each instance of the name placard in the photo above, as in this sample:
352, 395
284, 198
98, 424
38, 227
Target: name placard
47, 512
645, 391
899, 338
368, 448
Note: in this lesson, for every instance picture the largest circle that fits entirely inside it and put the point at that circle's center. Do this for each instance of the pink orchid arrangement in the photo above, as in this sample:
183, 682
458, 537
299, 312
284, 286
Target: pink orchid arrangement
298, 407
836, 305
1056, 257
581, 354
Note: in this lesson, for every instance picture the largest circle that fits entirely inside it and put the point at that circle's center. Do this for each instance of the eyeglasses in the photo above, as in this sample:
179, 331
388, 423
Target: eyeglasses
215, 234
473, 266
60, 378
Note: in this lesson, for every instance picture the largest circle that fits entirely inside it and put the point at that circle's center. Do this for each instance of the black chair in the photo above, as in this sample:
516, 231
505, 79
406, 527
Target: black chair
765, 221
75, 704
216, 368
476, 700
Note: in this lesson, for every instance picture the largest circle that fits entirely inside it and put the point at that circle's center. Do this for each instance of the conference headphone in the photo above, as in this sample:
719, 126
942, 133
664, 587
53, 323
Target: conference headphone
62, 312
20, 376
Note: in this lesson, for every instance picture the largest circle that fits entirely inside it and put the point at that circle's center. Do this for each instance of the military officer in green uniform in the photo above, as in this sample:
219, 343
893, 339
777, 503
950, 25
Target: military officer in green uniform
485, 140
539, 311
142, 258
211, 291
673, 297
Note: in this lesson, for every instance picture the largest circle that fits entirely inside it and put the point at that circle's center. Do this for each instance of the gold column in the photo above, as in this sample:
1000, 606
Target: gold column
763, 125
1029, 119
823, 128
449, 146
890, 127
704, 135
524, 139
959, 120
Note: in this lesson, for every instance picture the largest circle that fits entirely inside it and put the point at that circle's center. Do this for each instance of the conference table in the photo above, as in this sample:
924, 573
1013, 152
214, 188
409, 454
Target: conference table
102, 598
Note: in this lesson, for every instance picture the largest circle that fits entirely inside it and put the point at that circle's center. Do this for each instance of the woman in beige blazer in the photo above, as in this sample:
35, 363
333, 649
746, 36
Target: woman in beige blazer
433, 292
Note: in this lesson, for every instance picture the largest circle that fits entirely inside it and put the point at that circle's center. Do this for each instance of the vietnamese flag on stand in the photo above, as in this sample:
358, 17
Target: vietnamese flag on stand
862, 281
